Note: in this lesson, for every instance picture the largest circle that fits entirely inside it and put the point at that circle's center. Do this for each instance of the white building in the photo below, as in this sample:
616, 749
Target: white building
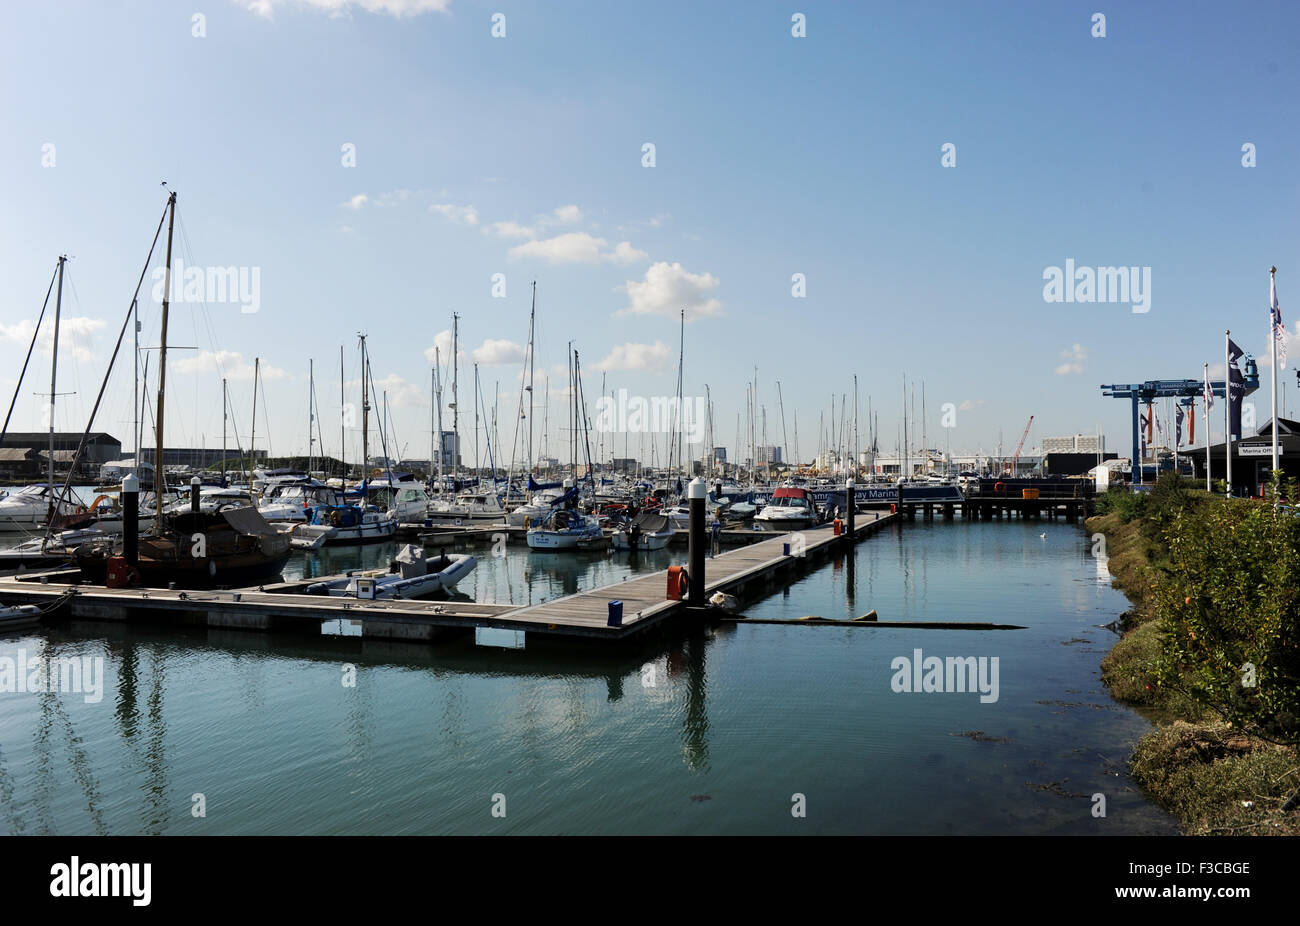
1076, 443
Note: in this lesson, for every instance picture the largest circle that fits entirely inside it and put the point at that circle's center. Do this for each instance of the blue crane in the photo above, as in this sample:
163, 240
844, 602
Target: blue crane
1184, 389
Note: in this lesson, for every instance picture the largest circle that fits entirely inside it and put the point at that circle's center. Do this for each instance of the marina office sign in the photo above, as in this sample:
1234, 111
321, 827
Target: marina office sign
1130, 285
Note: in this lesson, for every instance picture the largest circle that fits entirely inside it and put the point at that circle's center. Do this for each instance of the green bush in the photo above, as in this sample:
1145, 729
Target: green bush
1229, 601
1127, 504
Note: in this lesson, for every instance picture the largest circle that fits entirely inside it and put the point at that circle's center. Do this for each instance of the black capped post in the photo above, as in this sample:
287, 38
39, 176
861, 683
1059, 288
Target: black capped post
131, 519
194, 495
696, 543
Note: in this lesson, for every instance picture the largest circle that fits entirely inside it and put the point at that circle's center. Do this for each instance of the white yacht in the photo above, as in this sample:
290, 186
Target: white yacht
566, 529
404, 499
469, 507
292, 502
791, 509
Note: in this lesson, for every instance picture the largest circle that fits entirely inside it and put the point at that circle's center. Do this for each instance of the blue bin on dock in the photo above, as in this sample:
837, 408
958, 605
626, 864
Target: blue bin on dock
615, 613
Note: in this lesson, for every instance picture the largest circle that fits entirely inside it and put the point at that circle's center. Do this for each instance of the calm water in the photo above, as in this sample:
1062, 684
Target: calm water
736, 721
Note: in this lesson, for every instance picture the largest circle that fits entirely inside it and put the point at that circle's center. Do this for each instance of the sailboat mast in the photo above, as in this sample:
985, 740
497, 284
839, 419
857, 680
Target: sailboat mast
252, 437
159, 475
224, 405
54, 373
477, 397
532, 351
455, 397
437, 368
135, 386
311, 411
343, 445
365, 410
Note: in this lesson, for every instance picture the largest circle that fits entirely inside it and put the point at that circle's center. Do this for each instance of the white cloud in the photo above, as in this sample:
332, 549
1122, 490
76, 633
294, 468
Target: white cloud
562, 215
400, 393
1074, 358
649, 358
227, 363
356, 202
624, 253
569, 248
511, 230
467, 215
669, 288
1264, 359
577, 248
442, 341
971, 404
396, 8
76, 335
498, 351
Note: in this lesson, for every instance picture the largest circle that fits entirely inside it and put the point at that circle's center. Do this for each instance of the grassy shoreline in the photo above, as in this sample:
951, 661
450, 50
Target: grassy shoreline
1216, 779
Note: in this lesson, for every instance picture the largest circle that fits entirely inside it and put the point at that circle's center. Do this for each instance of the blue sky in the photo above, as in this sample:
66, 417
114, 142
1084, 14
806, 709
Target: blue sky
774, 155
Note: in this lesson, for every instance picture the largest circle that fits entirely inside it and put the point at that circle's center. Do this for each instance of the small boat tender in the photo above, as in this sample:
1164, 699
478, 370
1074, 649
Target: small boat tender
411, 575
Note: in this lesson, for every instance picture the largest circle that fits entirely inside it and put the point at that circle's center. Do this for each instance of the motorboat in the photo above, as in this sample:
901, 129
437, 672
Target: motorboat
792, 508
292, 502
341, 524
26, 510
19, 617
405, 499
39, 552
566, 529
539, 506
467, 507
648, 531
410, 575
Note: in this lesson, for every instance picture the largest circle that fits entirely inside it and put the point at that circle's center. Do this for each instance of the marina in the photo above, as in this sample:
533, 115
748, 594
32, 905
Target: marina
645, 601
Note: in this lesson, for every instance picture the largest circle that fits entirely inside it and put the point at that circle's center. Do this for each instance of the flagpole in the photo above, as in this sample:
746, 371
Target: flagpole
1272, 340
1227, 411
1207, 429
1178, 435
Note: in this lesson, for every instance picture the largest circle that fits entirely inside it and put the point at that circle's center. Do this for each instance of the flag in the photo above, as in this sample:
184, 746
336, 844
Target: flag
1236, 389
1275, 316
1178, 426
1209, 393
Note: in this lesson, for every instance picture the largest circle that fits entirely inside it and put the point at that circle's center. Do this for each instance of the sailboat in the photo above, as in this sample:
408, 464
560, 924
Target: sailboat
361, 522
192, 549
565, 527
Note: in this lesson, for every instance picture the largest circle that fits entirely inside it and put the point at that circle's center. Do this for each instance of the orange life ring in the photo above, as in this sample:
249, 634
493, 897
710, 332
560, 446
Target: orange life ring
999, 487
678, 584
101, 498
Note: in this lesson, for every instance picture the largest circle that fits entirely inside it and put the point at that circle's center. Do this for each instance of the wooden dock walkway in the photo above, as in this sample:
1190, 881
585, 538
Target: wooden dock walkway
645, 600
283, 606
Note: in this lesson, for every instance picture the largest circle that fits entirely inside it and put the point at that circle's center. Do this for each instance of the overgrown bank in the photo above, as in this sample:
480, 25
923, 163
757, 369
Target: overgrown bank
1210, 652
